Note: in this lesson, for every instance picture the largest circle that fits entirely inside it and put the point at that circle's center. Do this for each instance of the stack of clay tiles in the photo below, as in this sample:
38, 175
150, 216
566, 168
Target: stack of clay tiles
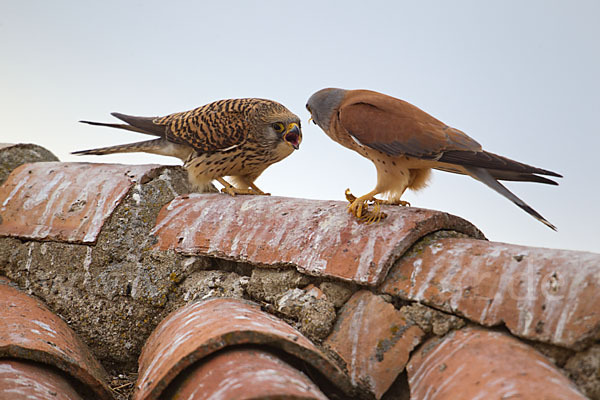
118, 282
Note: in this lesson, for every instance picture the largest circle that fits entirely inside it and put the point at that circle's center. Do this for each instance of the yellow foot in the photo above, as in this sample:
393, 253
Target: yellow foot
396, 203
359, 207
350, 197
232, 191
372, 216
257, 191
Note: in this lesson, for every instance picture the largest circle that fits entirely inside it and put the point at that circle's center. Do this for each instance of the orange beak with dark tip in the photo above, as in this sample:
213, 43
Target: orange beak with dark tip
293, 135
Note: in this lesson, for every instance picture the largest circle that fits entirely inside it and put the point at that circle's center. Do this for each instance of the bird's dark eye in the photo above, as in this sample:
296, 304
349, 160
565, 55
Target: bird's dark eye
278, 127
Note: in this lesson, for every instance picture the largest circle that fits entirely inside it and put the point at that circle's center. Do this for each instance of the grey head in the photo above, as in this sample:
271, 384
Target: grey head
322, 104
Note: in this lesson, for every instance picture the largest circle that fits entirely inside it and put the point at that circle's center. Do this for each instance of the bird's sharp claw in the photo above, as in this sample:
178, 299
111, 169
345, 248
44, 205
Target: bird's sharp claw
349, 196
360, 209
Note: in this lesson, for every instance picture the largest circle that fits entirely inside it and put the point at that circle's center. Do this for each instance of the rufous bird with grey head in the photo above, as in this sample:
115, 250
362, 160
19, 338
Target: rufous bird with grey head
237, 138
405, 143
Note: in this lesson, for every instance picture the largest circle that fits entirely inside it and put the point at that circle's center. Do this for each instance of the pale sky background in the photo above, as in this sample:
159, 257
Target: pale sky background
521, 77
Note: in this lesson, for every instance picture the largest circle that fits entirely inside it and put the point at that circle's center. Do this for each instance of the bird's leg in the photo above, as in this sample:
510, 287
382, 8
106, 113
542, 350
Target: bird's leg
227, 187
232, 190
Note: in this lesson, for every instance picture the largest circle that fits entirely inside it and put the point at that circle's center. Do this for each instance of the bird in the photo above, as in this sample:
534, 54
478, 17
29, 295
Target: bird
405, 143
236, 138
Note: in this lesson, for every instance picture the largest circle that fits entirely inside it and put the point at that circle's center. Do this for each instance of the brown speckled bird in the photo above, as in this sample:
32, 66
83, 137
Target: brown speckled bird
405, 142
238, 138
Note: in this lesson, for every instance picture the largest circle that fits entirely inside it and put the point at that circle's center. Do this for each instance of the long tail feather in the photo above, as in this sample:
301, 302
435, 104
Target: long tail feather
485, 177
504, 175
147, 146
118, 126
520, 177
144, 124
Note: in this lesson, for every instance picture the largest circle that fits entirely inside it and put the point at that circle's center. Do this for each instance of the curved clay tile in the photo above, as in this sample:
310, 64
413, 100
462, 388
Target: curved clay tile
29, 331
200, 329
59, 201
542, 294
26, 380
481, 364
244, 373
318, 237
374, 340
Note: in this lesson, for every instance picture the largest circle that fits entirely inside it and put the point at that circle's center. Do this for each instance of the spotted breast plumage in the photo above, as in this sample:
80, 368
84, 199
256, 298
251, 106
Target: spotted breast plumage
237, 138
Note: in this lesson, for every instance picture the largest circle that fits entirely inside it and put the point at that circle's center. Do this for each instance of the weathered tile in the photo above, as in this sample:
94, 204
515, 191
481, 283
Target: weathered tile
317, 237
24, 380
542, 294
28, 330
480, 364
244, 373
200, 329
65, 201
374, 340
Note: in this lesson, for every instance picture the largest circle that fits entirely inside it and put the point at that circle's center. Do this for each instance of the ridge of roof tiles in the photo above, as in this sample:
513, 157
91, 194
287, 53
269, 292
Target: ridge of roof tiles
29, 331
410, 289
534, 292
316, 236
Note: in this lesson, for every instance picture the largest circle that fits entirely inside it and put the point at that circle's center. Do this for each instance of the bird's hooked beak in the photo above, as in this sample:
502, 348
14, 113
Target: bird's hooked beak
293, 135
311, 119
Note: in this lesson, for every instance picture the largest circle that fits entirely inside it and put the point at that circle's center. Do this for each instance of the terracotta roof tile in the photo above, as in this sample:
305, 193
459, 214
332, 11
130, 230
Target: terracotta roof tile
318, 237
23, 380
28, 330
418, 289
546, 295
244, 373
199, 329
374, 340
59, 201
479, 364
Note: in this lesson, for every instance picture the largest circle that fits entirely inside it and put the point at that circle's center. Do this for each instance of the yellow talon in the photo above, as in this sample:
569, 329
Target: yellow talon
349, 196
361, 210
232, 190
